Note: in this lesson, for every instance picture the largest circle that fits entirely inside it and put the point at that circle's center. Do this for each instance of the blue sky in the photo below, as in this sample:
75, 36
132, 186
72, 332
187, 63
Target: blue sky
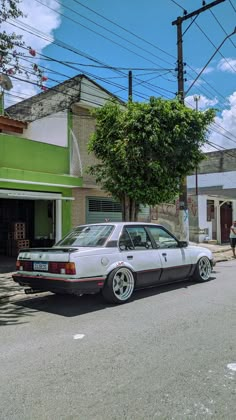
80, 24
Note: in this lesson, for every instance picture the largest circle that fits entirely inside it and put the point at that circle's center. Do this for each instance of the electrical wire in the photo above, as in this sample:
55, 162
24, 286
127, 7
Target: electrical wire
234, 8
181, 7
108, 30
125, 29
61, 44
114, 84
212, 43
97, 33
221, 26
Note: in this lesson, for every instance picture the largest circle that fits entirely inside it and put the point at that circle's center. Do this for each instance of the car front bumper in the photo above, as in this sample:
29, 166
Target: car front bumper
60, 285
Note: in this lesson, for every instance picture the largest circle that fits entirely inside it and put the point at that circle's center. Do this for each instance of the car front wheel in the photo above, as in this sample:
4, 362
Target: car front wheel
119, 285
203, 270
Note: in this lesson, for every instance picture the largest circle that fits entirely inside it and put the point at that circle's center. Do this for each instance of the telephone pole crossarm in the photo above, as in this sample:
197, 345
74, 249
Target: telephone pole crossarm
196, 12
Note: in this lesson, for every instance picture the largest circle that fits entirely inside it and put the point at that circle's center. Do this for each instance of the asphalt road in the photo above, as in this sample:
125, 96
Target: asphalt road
168, 354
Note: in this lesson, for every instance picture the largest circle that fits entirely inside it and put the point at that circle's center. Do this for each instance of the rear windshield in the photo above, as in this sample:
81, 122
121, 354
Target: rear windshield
87, 236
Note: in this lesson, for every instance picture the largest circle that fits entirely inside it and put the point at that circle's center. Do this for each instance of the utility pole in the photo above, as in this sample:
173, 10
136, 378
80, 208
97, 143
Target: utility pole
130, 94
196, 99
183, 197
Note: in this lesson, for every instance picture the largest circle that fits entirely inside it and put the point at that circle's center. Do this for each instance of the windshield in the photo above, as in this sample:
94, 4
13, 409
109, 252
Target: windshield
93, 235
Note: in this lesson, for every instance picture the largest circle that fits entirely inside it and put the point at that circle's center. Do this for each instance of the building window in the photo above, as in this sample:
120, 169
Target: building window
210, 210
101, 205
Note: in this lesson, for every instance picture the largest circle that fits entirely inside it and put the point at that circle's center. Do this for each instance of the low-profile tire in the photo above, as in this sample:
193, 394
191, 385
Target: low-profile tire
203, 270
119, 285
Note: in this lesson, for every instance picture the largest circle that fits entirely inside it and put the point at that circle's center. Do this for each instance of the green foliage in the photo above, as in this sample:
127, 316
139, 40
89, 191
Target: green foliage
12, 46
145, 149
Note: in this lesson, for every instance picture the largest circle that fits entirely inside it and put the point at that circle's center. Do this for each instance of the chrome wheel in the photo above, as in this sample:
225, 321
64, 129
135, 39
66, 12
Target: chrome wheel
123, 284
204, 267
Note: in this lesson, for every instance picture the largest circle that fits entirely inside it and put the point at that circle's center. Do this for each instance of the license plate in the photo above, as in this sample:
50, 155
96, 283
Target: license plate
40, 266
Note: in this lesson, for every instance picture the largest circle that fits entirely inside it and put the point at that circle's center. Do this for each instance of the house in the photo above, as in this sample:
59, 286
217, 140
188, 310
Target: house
44, 187
211, 200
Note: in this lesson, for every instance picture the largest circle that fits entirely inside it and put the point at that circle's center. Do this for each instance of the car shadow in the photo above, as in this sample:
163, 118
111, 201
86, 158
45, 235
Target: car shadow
70, 306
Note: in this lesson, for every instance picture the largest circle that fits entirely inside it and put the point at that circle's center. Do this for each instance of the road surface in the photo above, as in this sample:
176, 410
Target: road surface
168, 354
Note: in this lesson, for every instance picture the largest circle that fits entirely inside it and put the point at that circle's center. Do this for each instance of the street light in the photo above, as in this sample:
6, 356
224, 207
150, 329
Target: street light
216, 51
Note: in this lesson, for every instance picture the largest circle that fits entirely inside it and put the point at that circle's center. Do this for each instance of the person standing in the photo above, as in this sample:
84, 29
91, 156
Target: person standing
232, 237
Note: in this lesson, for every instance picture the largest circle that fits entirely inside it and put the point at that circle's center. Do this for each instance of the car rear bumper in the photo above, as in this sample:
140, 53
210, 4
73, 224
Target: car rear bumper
60, 285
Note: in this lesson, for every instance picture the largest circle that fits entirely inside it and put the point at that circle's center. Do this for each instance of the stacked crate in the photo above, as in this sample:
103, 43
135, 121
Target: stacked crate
16, 239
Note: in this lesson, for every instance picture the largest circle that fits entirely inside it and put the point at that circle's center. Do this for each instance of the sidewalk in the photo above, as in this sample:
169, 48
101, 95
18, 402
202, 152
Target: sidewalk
10, 289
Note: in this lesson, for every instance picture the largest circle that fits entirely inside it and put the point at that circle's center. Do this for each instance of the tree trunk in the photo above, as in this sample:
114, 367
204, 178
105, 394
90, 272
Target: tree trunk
132, 211
129, 209
125, 205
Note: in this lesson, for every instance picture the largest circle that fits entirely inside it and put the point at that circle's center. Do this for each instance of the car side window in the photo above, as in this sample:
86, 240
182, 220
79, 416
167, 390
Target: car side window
162, 238
135, 237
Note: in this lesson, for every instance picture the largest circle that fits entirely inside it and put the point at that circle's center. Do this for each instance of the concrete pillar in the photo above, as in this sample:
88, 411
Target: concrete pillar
218, 229
58, 220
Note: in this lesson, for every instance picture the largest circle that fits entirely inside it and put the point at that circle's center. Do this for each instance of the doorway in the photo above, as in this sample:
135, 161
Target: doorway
226, 219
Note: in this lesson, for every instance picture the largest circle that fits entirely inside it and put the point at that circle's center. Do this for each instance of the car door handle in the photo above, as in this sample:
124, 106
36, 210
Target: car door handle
130, 257
164, 255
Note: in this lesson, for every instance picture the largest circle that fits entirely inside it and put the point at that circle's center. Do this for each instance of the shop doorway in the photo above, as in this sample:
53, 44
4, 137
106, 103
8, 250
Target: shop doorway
26, 223
226, 219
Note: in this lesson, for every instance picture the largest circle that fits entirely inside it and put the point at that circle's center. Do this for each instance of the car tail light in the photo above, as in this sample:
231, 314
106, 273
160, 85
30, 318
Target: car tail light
62, 268
24, 265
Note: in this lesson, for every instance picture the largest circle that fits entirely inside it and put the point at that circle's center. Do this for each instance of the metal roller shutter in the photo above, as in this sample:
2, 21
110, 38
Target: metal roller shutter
103, 209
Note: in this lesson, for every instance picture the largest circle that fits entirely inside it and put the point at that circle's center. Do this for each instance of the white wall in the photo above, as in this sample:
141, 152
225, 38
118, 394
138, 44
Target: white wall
202, 217
224, 179
92, 95
51, 129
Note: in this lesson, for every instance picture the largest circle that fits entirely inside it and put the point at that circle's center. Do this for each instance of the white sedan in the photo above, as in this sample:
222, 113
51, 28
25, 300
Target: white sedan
116, 258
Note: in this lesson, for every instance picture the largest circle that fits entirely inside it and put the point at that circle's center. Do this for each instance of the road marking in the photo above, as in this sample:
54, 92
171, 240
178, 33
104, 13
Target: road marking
232, 366
78, 336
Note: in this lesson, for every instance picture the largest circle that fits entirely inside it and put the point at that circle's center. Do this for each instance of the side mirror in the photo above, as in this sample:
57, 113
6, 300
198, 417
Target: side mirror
183, 244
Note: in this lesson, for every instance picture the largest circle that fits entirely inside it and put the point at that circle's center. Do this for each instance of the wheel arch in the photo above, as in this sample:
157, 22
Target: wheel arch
120, 264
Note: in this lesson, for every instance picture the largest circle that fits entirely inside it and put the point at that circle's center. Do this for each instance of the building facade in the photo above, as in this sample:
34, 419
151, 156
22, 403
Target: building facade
211, 200
44, 187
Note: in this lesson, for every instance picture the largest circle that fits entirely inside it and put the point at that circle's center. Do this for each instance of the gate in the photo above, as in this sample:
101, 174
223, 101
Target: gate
225, 221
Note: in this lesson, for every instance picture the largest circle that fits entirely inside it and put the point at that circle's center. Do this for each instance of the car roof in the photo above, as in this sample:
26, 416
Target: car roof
120, 224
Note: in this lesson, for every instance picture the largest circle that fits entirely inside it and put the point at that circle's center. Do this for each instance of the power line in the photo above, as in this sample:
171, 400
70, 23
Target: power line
224, 129
215, 130
61, 44
97, 33
110, 31
125, 29
203, 87
181, 7
220, 148
234, 8
112, 83
223, 135
212, 43
221, 26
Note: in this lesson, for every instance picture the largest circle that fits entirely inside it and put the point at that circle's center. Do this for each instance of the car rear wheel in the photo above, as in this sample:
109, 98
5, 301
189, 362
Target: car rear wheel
119, 285
203, 270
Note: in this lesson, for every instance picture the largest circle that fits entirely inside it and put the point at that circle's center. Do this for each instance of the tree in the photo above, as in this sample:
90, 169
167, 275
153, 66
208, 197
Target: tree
144, 150
13, 49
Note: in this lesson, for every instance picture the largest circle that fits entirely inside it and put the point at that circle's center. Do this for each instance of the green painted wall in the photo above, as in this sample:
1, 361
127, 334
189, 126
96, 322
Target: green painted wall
43, 224
20, 153
39, 177
66, 217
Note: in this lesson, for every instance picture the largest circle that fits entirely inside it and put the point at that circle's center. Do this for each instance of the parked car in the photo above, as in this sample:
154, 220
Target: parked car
116, 258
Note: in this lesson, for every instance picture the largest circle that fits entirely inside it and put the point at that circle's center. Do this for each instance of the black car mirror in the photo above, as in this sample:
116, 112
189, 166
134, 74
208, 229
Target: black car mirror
183, 244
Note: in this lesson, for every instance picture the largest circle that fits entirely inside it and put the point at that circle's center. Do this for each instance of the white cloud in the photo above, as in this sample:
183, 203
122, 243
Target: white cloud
38, 17
225, 127
227, 65
206, 71
203, 102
